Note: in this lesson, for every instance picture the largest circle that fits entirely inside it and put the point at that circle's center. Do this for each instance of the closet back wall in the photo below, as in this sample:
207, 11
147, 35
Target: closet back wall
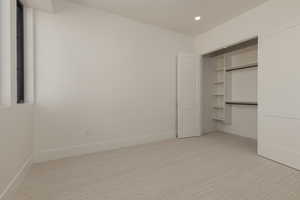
103, 82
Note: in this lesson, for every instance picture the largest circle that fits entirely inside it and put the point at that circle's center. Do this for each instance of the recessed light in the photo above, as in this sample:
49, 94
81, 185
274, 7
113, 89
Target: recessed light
197, 18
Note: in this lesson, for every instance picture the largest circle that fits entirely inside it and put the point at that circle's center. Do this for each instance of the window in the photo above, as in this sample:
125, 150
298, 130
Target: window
20, 53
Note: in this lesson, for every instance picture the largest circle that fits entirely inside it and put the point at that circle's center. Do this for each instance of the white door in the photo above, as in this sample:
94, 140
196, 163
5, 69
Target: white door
188, 96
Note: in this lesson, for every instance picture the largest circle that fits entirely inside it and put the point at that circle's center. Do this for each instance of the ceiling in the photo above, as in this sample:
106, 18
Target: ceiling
177, 15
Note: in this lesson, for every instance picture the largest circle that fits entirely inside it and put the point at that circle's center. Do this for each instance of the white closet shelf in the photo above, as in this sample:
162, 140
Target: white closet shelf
218, 107
218, 82
218, 94
220, 69
218, 119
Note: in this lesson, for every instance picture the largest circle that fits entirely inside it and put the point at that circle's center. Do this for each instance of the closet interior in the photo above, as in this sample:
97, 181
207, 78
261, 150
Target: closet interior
230, 90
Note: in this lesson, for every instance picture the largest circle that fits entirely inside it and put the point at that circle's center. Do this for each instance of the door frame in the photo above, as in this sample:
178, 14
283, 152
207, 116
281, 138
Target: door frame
256, 36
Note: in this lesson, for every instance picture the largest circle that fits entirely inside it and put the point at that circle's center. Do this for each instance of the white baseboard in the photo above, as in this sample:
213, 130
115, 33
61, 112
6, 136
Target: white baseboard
59, 153
281, 155
278, 138
8, 192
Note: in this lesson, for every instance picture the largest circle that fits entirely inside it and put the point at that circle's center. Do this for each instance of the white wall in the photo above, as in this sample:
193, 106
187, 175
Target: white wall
266, 19
16, 121
45, 5
243, 122
280, 118
103, 82
269, 17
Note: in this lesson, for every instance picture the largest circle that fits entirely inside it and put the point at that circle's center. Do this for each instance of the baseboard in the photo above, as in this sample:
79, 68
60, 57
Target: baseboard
238, 133
280, 155
231, 133
82, 149
8, 193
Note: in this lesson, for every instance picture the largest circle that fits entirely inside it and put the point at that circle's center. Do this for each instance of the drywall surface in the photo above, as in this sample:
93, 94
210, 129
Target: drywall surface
16, 144
243, 122
280, 119
16, 125
45, 5
269, 18
103, 82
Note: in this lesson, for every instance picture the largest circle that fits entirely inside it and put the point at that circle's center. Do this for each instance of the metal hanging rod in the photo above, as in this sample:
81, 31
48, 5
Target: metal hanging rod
242, 67
241, 103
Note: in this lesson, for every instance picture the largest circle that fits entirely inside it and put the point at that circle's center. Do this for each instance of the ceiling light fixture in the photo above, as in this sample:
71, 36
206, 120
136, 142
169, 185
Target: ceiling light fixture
197, 18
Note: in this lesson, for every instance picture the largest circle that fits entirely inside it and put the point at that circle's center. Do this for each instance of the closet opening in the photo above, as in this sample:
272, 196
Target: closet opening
229, 90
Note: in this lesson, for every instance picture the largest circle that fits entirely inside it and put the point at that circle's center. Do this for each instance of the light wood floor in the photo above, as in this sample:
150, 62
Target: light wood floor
212, 167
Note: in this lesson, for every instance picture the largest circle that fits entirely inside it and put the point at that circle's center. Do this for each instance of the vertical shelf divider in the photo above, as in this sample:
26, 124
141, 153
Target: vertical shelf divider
220, 114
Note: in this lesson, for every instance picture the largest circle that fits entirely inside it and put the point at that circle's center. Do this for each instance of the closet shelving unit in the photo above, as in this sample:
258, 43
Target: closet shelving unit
229, 89
224, 63
219, 88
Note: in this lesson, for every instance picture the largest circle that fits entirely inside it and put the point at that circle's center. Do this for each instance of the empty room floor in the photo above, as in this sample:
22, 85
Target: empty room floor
213, 167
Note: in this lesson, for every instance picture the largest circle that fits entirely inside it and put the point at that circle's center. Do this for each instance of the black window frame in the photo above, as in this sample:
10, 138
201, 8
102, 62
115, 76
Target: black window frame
20, 54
